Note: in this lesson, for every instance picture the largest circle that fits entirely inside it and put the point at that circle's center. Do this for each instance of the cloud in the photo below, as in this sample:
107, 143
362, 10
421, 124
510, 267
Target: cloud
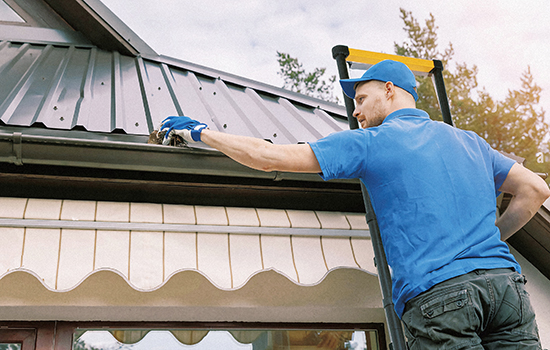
501, 37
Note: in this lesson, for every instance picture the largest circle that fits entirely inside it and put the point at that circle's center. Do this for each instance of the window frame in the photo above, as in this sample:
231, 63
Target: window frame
58, 335
26, 337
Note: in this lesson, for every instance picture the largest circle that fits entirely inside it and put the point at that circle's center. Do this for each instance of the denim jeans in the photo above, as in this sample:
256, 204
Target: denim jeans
483, 309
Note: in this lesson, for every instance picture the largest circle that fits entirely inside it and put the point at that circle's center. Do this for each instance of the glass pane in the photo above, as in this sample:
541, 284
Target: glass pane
9, 15
11, 346
225, 339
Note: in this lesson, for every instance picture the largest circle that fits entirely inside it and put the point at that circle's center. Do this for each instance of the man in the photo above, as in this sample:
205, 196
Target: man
433, 188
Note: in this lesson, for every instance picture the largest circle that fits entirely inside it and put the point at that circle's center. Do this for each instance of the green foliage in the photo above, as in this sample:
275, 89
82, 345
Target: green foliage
81, 345
308, 83
514, 125
10, 346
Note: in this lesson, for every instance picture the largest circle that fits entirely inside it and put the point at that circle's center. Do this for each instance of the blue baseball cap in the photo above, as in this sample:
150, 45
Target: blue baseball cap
396, 72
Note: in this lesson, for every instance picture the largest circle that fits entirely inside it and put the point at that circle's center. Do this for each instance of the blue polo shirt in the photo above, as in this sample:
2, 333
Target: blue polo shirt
433, 188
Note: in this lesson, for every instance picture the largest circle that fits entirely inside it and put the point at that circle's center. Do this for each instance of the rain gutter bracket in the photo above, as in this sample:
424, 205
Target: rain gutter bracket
17, 148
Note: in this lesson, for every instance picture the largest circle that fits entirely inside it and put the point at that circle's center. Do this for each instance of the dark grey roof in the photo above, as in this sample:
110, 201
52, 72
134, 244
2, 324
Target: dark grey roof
77, 105
70, 87
88, 94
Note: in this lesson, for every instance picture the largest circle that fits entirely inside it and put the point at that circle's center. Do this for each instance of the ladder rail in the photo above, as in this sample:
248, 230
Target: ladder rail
344, 56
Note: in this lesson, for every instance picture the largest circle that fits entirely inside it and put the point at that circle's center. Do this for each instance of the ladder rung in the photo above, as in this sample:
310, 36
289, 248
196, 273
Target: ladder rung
369, 58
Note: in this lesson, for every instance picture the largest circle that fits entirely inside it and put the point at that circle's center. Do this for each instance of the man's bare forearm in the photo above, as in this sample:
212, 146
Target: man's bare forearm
517, 214
529, 193
262, 155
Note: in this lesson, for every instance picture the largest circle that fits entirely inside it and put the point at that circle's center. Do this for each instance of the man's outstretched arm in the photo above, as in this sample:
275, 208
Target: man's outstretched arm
262, 155
529, 192
252, 152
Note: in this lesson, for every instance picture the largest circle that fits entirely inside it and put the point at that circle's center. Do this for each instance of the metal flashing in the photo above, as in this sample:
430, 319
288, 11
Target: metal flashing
43, 36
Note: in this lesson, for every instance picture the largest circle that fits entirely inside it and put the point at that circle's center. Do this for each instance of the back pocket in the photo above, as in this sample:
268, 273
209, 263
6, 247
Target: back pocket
445, 303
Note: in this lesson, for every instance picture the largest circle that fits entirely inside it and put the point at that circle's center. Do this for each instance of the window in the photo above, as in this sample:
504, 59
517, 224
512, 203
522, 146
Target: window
192, 336
229, 339
10, 346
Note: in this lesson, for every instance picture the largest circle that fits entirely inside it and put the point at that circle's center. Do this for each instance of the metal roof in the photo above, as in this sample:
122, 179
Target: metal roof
90, 98
69, 87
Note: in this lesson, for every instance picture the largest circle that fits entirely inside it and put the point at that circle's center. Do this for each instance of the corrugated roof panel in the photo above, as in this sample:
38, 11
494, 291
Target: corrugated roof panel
188, 93
318, 122
334, 124
27, 95
63, 87
43, 84
95, 110
156, 92
242, 119
288, 118
65, 94
224, 116
267, 124
284, 126
15, 63
131, 116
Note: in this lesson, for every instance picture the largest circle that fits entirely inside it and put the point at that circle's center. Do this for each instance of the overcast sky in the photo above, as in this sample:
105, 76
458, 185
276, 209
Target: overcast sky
501, 37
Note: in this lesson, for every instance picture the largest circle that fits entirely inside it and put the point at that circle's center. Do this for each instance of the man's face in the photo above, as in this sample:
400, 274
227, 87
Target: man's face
370, 104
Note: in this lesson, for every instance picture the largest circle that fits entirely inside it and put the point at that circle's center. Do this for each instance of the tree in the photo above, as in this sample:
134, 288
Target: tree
298, 80
81, 345
515, 125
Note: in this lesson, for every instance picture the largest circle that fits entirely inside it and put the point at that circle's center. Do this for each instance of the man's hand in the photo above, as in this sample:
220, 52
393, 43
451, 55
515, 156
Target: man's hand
189, 129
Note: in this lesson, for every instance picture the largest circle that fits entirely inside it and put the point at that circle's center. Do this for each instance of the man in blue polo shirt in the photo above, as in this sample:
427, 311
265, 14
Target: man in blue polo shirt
433, 189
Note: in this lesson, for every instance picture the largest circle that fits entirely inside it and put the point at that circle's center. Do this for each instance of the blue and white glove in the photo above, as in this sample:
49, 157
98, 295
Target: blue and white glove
189, 129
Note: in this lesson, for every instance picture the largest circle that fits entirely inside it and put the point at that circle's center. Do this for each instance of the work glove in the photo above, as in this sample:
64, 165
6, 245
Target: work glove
185, 127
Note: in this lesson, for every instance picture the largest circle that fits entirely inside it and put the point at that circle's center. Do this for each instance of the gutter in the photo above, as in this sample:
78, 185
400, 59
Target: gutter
101, 152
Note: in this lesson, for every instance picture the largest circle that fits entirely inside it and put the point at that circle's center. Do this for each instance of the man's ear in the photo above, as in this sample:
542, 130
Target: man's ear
389, 89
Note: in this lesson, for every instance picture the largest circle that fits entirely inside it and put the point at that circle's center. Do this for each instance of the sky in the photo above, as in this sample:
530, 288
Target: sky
501, 37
